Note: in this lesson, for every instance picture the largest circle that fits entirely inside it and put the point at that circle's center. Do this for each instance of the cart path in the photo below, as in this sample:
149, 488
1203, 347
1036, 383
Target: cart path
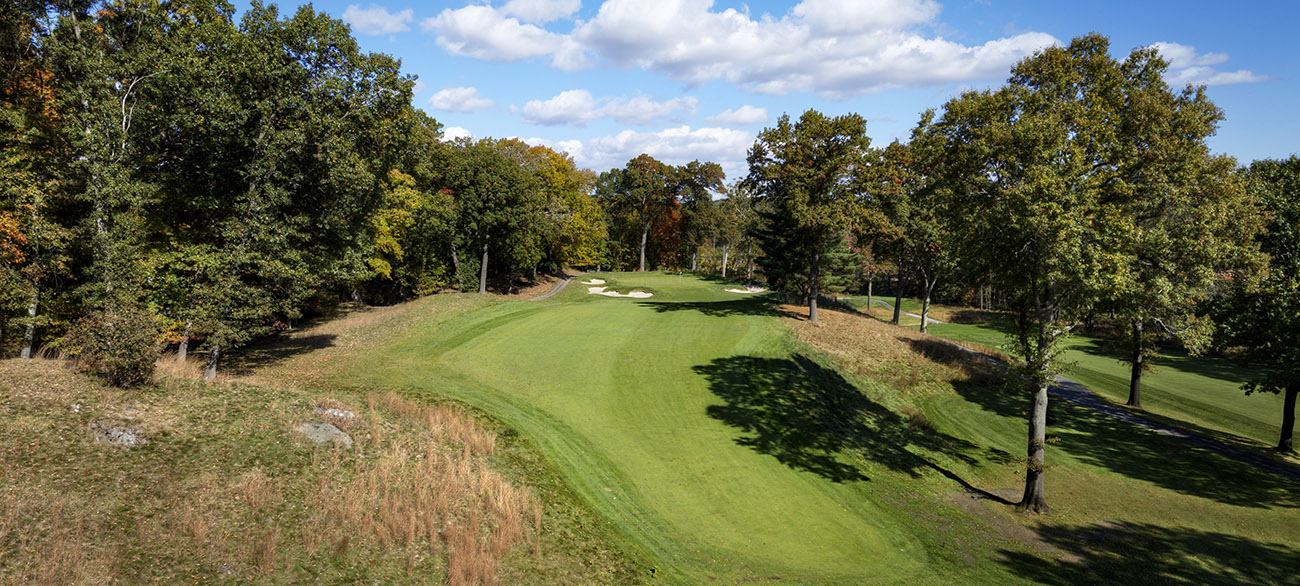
1082, 396
558, 287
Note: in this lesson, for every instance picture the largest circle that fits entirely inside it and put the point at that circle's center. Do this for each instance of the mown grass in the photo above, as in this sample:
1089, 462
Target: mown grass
1204, 391
1116, 490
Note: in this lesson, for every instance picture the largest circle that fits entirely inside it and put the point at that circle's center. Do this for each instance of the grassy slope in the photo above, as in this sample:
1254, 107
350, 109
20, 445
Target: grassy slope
1205, 391
633, 400
1130, 506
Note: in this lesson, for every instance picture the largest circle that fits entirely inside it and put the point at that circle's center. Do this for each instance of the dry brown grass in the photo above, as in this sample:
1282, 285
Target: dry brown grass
440, 496
901, 358
225, 484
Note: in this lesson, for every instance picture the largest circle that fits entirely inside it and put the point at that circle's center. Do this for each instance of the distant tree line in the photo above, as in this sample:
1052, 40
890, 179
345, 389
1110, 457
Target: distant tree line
172, 178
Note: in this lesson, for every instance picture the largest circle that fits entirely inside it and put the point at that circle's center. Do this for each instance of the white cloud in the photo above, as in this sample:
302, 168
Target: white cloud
377, 20
835, 48
579, 108
454, 132
676, 146
847, 16
572, 108
460, 99
742, 116
541, 11
483, 32
1187, 67
419, 87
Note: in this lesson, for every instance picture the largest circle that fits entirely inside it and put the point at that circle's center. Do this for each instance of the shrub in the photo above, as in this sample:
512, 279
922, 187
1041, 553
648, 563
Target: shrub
118, 343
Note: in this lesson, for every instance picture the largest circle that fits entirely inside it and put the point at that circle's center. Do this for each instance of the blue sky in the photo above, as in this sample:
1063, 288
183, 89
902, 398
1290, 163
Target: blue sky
695, 79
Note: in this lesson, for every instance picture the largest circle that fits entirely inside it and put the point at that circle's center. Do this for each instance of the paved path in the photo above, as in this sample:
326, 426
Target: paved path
891, 308
1080, 395
552, 292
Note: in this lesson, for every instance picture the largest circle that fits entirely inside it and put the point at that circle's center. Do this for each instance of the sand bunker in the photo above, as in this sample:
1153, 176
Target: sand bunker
594, 282
747, 290
602, 291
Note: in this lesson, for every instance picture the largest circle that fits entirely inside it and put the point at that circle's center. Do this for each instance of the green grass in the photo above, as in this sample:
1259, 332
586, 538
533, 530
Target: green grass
1204, 391
645, 406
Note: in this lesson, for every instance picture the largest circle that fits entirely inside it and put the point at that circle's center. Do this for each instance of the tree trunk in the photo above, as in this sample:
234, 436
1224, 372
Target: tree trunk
725, 250
749, 262
871, 280
694, 256
1035, 499
29, 336
482, 271
645, 232
1135, 378
183, 350
898, 299
214, 354
812, 298
455, 264
925, 303
1288, 420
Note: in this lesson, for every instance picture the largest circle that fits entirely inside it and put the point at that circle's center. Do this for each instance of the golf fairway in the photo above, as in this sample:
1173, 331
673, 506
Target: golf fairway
614, 390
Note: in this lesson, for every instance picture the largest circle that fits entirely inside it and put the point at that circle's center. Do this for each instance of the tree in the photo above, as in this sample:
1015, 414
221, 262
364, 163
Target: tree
699, 181
805, 171
498, 203
917, 211
645, 190
1029, 166
1192, 223
1260, 322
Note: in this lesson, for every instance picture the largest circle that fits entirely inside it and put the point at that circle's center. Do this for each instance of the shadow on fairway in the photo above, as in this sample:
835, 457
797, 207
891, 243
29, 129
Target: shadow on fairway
1138, 453
755, 305
1135, 553
810, 418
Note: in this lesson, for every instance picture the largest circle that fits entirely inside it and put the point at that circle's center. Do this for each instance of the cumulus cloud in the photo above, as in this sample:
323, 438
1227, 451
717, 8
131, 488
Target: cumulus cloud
676, 146
541, 11
377, 20
486, 33
835, 48
454, 132
460, 99
742, 116
1186, 66
579, 108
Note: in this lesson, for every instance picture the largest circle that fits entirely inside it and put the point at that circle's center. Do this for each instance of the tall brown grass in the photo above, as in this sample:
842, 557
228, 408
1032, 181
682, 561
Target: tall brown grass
441, 496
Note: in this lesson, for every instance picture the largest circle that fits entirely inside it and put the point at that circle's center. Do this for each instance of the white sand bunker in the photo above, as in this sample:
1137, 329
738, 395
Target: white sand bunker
602, 291
750, 289
594, 282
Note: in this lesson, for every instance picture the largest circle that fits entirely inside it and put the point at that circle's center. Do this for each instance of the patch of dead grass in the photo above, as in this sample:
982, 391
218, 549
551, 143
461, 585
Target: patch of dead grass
899, 357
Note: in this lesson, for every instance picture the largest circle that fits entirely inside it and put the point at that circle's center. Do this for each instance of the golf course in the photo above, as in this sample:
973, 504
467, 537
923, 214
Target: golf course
724, 445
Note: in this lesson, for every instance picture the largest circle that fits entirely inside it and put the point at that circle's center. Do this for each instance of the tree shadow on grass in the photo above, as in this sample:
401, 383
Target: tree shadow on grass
1173, 357
750, 305
1135, 553
1121, 447
273, 350
810, 418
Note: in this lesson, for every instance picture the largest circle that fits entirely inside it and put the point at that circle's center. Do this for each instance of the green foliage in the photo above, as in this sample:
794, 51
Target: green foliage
1261, 320
119, 343
803, 172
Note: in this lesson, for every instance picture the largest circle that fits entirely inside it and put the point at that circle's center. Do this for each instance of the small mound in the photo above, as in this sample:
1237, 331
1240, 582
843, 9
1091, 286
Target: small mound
602, 291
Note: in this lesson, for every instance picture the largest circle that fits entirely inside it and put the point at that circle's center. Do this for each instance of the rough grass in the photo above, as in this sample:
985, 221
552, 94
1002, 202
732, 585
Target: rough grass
226, 489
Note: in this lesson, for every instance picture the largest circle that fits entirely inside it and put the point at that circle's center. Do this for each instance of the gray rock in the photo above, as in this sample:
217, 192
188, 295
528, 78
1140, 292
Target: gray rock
323, 433
123, 437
